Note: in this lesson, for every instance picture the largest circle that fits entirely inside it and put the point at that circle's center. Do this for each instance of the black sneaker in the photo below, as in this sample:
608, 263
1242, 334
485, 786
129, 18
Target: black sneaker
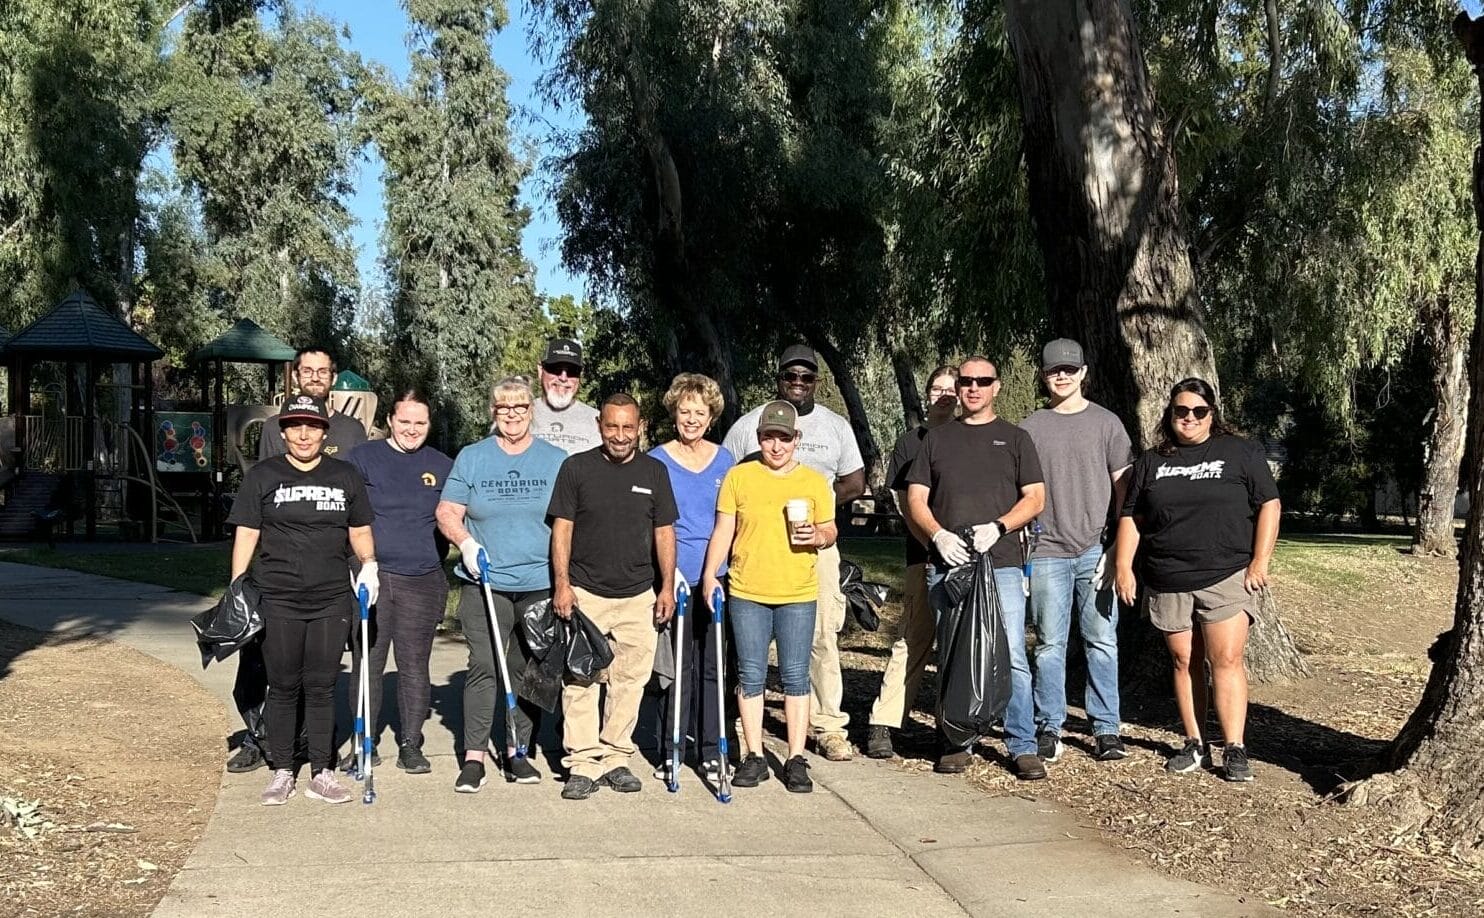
471, 778
248, 758
752, 772
1107, 747
519, 770
953, 763
1191, 756
1029, 767
796, 776
348, 761
579, 788
878, 743
622, 780
410, 759
1234, 764
1049, 747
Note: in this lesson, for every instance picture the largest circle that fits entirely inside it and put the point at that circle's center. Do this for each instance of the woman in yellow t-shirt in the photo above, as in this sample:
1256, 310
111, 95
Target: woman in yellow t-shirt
772, 517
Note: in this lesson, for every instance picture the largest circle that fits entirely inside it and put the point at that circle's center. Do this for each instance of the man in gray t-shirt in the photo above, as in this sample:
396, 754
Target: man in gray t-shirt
558, 417
1085, 456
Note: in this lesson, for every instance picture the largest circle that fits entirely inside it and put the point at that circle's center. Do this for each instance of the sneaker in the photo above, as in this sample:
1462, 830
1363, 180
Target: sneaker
279, 789
835, 747
1234, 764
1029, 767
711, 770
519, 770
1107, 747
622, 780
328, 788
348, 761
410, 759
878, 743
579, 788
471, 778
796, 776
1190, 757
662, 772
248, 758
953, 763
752, 772
1049, 747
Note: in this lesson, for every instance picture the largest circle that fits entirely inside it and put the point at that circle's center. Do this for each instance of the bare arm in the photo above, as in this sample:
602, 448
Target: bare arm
717, 552
1124, 549
450, 518
849, 487
664, 551
244, 546
562, 597
1120, 489
1264, 541
362, 544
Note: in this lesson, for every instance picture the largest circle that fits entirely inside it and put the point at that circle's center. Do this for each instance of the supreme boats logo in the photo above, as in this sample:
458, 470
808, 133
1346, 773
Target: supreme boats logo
324, 498
1198, 472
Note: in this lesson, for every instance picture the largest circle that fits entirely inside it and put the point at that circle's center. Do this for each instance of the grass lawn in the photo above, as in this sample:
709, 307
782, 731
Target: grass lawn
194, 570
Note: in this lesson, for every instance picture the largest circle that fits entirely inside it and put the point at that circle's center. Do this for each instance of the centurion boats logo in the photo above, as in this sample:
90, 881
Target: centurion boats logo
1199, 472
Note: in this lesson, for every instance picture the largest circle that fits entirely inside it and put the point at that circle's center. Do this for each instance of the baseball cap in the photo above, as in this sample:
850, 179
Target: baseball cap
1063, 352
779, 416
799, 353
304, 408
563, 350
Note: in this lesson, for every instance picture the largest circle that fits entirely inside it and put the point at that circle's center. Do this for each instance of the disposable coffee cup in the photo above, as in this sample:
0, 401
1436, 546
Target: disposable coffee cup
797, 512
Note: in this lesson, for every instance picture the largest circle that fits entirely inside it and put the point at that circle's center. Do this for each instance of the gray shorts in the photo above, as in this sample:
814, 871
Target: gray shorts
1216, 603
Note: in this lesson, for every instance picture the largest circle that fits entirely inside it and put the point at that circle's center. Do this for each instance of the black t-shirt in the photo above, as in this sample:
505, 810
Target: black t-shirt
908, 445
302, 519
1197, 511
975, 473
614, 509
344, 435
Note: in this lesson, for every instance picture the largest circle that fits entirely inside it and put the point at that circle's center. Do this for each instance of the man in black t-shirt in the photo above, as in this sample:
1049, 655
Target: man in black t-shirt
980, 474
315, 373
612, 539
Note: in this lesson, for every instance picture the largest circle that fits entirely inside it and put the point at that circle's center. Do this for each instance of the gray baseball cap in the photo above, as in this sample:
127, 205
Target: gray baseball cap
1063, 352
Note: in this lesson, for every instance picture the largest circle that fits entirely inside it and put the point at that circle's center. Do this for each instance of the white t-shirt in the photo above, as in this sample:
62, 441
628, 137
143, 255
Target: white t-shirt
574, 428
827, 446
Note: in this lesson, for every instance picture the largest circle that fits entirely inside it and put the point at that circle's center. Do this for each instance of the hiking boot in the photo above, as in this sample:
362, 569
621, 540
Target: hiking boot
796, 776
519, 770
953, 763
248, 758
279, 789
1107, 747
348, 761
1049, 747
1190, 757
328, 788
471, 778
622, 780
878, 743
835, 747
1029, 767
1234, 764
579, 788
752, 772
410, 759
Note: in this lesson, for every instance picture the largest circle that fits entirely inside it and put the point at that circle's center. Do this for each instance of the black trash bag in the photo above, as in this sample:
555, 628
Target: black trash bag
588, 650
224, 628
543, 629
546, 638
864, 599
973, 655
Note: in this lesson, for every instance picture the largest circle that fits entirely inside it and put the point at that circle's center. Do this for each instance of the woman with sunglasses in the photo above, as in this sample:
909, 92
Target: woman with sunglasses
495, 502
1204, 508
773, 517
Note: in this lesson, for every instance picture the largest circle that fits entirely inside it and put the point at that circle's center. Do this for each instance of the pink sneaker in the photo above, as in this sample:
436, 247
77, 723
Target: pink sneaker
328, 788
279, 789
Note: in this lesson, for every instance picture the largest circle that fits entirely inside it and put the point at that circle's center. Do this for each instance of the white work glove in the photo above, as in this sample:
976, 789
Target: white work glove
368, 578
1102, 578
985, 535
951, 548
470, 550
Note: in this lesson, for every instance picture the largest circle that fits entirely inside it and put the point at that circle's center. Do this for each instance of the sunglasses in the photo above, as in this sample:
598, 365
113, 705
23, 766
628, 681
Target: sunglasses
1184, 411
561, 369
983, 382
795, 376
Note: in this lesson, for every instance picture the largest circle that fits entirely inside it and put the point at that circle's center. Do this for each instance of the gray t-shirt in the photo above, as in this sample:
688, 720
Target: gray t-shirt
1079, 452
574, 428
828, 444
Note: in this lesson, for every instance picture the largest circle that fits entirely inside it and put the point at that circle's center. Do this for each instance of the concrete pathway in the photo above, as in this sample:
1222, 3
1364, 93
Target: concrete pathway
871, 840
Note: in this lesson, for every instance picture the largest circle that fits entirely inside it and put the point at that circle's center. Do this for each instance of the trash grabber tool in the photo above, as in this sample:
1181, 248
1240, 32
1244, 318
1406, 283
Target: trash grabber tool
499, 642
723, 768
677, 625
363, 709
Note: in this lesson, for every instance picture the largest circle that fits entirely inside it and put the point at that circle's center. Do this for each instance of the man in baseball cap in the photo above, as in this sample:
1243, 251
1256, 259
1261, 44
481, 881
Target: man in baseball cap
558, 417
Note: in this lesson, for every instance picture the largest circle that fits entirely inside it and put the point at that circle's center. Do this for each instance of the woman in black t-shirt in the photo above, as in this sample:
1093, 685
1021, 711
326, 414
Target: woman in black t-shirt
1204, 508
294, 515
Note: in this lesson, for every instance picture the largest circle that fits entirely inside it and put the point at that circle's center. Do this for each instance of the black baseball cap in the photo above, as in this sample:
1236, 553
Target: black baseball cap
304, 408
1063, 352
799, 353
563, 350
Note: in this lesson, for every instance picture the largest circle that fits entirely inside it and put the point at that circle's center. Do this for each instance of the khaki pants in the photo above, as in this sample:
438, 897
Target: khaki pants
826, 689
909, 652
596, 747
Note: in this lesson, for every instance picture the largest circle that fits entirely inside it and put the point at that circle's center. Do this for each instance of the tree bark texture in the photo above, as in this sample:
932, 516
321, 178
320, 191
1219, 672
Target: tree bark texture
855, 405
1105, 199
1435, 534
908, 386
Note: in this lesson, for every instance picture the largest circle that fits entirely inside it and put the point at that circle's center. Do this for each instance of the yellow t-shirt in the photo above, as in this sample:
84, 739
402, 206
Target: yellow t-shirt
764, 566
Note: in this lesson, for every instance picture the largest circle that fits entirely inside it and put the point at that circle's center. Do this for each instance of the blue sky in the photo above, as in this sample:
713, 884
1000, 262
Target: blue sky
378, 32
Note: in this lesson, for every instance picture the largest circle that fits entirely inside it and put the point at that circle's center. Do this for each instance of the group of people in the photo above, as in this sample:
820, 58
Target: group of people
560, 505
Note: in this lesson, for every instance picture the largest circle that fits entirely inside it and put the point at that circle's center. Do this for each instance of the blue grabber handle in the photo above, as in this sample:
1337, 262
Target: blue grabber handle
363, 597
682, 602
724, 792
1033, 535
484, 580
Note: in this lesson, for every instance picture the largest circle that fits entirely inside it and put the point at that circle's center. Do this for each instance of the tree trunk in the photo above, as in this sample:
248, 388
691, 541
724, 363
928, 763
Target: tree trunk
855, 406
1434, 534
907, 385
1105, 198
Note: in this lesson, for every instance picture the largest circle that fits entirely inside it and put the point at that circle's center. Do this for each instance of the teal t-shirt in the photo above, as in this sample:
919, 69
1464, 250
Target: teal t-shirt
505, 499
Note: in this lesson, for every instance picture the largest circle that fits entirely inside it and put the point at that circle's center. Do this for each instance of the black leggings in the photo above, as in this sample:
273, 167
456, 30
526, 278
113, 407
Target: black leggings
303, 659
407, 613
482, 690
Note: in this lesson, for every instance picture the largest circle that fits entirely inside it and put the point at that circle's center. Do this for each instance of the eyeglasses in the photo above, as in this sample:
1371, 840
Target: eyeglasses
562, 369
937, 392
1060, 371
797, 377
983, 382
517, 411
776, 435
1184, 411
322, 373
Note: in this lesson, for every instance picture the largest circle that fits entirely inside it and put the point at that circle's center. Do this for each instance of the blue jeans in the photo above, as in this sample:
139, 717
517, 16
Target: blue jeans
1058, 587
1020, 725
754, 626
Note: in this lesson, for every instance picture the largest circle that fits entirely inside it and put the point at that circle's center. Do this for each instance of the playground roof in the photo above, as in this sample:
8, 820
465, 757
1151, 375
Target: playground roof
79, 329
4, 336
351, 381
244, 342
